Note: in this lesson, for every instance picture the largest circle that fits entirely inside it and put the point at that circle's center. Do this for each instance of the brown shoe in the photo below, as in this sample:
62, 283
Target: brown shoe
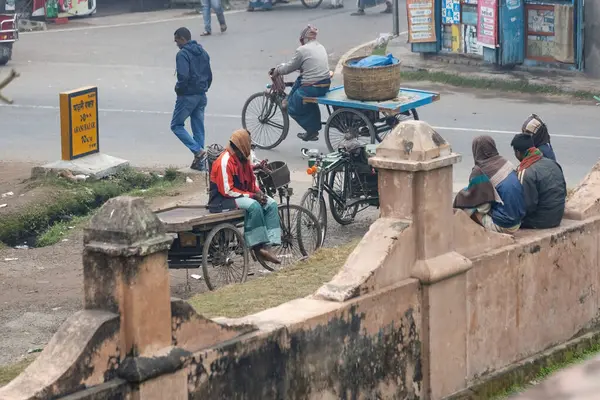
267, 256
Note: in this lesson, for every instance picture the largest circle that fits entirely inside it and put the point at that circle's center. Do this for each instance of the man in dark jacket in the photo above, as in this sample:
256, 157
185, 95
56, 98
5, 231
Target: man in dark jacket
543, 183
194, 78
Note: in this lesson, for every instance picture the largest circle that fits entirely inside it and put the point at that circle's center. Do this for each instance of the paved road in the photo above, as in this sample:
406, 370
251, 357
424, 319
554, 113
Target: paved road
132, 62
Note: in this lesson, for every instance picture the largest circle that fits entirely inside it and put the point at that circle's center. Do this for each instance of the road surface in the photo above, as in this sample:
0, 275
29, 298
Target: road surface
131, 59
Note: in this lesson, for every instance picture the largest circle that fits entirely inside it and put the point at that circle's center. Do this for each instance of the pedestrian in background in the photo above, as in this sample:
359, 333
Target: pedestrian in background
335, 4
362, 4
218, 7
194, 78
266, 5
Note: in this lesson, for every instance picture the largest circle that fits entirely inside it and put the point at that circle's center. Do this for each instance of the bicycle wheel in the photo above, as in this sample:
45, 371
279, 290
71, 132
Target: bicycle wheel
266, 121
392, 122
224, 257
343, 214
300, 236
311, 3
347, 124
317, 208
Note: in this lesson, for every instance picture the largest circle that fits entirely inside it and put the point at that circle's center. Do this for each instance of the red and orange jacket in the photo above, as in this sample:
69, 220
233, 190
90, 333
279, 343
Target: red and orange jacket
230, 178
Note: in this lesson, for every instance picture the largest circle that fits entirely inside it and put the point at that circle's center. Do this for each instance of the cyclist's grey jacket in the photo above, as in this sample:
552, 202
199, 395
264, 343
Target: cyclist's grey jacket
311, 60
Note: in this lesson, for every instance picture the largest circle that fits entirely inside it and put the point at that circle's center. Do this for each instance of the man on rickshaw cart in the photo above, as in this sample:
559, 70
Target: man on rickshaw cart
233, 185
312, 60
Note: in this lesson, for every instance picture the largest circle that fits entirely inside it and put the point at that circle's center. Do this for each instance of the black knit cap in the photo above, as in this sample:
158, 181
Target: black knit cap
522, 142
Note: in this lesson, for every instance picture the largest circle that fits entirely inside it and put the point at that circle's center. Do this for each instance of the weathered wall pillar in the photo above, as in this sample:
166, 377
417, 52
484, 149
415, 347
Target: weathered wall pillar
126, 272
415, 183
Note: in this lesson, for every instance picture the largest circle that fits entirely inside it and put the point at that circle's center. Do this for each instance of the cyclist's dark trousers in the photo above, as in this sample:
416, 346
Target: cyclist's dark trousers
307, 115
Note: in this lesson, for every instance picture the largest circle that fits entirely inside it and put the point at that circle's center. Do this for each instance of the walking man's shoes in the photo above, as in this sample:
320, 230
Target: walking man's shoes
199, 163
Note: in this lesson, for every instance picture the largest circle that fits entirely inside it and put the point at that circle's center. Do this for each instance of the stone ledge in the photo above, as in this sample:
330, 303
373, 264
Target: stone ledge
523, 372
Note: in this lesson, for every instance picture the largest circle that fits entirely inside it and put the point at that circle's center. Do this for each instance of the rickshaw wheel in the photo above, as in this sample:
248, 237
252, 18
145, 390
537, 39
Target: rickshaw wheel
347, 124
398, 118
311, 3
266, 121
225, 257
342, 214
309, 201
300, 236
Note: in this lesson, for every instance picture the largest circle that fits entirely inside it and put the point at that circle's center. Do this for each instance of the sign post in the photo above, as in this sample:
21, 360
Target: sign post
79, 123
421, 21
396, 10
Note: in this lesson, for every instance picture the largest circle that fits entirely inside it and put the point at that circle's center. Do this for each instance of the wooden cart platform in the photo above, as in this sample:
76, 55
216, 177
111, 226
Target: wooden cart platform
188, 218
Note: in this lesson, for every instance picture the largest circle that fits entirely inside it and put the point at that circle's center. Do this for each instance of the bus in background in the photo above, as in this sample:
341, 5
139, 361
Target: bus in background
55, 9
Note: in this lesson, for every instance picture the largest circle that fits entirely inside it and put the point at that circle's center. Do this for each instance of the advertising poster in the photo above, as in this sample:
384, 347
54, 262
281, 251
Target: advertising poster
450, 12
487, 23
421, 21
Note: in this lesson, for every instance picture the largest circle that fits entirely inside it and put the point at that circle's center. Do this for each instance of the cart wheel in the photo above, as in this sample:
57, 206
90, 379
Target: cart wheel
266, 121
317, 208
339, 211
300, 236
224, 257
347, 124
391, 122
311, 3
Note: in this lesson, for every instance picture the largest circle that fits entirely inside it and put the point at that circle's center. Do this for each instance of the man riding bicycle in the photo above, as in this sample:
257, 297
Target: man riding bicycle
312, 61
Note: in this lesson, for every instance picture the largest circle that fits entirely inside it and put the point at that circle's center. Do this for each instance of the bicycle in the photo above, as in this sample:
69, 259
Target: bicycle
347, 178
264, 115
274, 179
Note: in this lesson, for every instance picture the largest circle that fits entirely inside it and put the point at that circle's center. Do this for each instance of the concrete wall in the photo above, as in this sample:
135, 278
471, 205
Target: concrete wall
428, 305
592, 38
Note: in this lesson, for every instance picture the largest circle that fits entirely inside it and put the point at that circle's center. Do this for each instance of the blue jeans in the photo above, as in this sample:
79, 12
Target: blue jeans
215, 5
190, 107
261, 223
307, 115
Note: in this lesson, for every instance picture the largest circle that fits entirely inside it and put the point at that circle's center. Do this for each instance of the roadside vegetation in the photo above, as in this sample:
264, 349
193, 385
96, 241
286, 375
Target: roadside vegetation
70, 203
290, 283
531, 374
506, 85
10, 372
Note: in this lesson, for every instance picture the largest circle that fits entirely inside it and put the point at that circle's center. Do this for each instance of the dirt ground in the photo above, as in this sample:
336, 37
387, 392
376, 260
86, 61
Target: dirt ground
40, 287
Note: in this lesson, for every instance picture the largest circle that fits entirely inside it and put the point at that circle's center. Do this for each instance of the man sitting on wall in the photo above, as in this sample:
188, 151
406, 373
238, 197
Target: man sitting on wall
538, 130
543, 183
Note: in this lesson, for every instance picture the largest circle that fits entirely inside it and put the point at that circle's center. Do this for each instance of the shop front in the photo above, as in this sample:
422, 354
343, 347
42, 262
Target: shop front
501, 32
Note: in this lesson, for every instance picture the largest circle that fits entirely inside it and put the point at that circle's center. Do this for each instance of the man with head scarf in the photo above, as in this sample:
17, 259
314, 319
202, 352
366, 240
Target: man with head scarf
233, 185
544, 185
312, 61
494, 197
535, 127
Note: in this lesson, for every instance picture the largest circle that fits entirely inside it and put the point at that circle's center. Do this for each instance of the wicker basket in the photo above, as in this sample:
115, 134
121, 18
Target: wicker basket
371, 84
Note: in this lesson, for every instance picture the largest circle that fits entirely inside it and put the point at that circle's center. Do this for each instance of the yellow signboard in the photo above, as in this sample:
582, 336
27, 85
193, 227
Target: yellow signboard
79, 123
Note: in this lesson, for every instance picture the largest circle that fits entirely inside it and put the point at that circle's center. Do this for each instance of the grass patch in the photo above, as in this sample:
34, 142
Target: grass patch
77, 199
10, 372
60, 230
520, 86
568, 359
523, 376
297, 281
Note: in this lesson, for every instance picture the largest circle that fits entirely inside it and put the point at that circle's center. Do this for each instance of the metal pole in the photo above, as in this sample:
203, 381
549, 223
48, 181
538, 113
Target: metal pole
396, 14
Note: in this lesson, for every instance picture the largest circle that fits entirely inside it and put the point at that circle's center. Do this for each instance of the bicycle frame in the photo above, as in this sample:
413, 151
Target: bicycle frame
345, 164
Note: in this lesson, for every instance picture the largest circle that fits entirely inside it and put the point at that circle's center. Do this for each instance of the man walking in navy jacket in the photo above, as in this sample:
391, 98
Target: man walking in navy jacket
194, 78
